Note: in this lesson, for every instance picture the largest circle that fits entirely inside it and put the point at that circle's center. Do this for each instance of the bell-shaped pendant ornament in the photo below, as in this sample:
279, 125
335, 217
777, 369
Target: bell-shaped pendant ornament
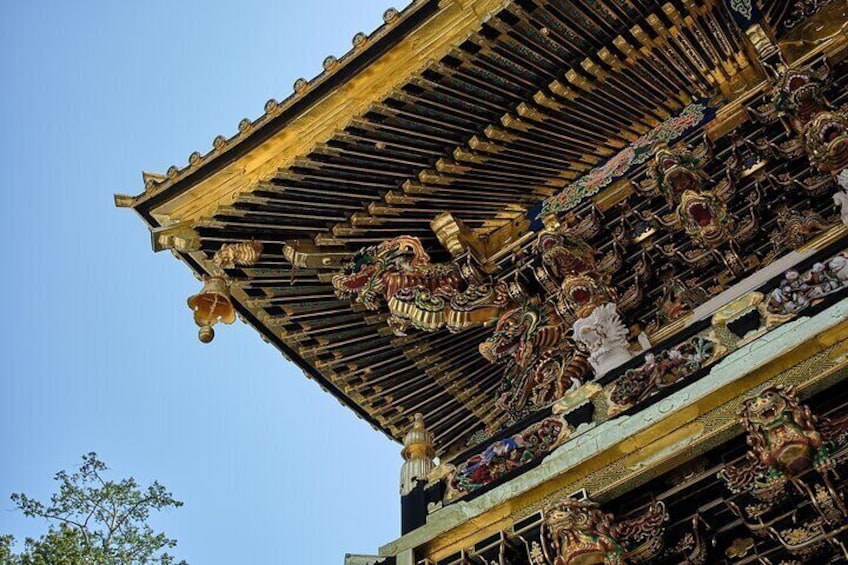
212, 305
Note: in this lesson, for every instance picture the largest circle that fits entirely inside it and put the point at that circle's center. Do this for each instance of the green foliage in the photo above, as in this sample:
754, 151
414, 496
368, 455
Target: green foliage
95, 521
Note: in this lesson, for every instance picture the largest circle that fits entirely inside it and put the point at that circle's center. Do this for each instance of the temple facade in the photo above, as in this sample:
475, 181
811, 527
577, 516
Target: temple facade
586, 261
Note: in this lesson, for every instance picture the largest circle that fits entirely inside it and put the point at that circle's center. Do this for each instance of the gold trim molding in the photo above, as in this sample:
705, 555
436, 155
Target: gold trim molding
433, 39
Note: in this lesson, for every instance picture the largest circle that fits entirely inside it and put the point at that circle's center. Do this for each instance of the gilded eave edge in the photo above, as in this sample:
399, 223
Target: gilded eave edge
218, 179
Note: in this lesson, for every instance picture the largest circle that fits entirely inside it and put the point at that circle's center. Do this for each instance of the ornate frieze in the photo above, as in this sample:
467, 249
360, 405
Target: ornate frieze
662, 370
520, 333
505, 457
677, 298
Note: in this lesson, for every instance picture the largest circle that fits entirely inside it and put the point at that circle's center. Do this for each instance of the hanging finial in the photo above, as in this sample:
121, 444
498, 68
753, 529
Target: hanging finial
418, 453
213, 303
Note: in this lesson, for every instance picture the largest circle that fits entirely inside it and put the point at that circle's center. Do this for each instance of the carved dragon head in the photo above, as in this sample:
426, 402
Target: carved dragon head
399, 271
704, 217
826, 142
799, 94
360, 279
580, 533
513, 335
558, 256
781, 432
676, 171
581, 294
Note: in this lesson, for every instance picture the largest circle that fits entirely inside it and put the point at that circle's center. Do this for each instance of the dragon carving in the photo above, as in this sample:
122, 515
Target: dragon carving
798, 97
826, 141
578, 532
789, 445
786, 441
781, 432
545, 357
542, 365
418, 293
678, 174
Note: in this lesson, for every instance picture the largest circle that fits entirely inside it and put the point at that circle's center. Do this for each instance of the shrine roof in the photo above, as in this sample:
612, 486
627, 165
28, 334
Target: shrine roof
491, 110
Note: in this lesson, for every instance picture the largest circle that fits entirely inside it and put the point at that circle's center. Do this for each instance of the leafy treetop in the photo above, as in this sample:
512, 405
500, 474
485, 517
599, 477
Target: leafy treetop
95, 521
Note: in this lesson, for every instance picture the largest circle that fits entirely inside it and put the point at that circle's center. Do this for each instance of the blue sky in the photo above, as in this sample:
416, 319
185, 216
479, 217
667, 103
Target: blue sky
98, 349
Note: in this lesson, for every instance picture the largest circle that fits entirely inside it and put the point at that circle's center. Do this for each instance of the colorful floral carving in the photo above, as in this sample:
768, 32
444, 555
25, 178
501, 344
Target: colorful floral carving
662, 370
507, 455
617, 166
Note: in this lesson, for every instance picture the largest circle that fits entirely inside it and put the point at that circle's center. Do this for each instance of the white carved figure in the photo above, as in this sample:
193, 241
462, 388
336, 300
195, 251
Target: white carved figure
841, 197
839, 267
604, 337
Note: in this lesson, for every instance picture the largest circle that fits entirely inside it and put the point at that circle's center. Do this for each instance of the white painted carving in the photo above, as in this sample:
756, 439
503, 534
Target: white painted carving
841, 197
604, 337
839, 267
842, 179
